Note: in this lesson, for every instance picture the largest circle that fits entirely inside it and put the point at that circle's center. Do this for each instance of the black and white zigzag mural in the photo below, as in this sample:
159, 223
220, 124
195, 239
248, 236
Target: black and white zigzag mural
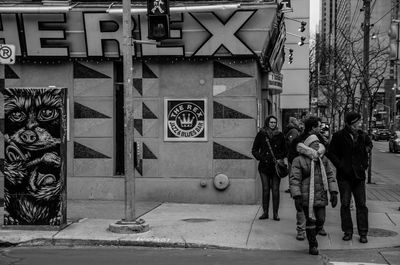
35, 156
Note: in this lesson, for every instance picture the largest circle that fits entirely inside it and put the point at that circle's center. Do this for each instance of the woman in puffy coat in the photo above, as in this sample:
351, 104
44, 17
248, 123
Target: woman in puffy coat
310, 180
269, 178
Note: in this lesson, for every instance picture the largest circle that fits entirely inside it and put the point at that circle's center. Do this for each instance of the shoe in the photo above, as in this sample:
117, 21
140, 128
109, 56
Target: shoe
347, 237
263, 216
322, 232
301, 236
313, 251
363, 239
276, 217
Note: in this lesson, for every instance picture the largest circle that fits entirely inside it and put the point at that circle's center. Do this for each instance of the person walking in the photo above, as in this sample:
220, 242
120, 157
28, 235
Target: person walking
269, 179
349, 150
309, 182
311, 126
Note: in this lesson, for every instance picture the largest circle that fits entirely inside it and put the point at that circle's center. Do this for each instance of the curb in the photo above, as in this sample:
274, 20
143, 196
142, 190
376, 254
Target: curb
98, 242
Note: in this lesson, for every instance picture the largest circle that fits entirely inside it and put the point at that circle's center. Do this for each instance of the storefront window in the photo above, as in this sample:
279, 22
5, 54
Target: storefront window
119, 119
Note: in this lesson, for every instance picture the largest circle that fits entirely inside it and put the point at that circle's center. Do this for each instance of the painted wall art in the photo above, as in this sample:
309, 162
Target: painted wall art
185, 119
35, 156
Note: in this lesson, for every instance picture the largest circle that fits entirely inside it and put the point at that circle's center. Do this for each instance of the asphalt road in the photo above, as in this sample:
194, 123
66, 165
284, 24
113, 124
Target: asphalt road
147, 256
385, 165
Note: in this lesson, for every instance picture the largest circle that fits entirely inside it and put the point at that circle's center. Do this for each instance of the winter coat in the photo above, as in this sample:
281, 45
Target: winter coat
291, 132
262, 153
349, 157
299, 180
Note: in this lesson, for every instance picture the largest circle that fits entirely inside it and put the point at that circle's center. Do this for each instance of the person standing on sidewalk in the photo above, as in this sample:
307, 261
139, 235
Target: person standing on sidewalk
311, 126
269, 179
292, 131
309, 182
348, 151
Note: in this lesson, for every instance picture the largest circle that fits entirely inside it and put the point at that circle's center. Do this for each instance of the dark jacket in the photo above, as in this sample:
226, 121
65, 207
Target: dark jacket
262, 153
291, 132
349, 157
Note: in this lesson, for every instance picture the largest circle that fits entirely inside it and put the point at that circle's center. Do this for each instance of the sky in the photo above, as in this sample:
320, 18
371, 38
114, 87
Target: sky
314, 16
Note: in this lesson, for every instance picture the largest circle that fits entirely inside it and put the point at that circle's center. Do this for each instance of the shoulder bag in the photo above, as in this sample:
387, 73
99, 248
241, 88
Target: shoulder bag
280, 168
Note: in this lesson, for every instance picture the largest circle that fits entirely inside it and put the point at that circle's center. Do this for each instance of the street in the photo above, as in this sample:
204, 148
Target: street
143, 256
385, 164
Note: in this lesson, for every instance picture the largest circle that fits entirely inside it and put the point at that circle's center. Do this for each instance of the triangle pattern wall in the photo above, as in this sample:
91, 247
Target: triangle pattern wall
223, 152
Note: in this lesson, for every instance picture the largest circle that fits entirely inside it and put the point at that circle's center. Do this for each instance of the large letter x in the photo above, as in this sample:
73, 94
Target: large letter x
223, 33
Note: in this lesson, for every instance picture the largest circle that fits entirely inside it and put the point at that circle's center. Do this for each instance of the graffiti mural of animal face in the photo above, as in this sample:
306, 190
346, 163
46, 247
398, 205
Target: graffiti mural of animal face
32, 168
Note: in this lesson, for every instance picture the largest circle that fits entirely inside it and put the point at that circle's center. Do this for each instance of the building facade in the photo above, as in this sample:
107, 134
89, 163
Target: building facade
199, 97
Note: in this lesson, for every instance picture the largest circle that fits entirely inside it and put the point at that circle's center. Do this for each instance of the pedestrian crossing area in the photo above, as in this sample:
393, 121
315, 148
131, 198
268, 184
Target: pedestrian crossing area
387, 151
352, 263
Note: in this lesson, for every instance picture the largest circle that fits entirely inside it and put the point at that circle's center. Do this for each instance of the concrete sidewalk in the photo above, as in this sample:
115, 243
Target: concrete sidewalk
204, 225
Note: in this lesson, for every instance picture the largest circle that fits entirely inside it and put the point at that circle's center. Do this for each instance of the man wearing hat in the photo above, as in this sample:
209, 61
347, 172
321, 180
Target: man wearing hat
348, 151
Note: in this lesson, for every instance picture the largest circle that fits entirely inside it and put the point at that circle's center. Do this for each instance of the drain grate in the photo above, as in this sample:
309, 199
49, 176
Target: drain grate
197, 220
378, 232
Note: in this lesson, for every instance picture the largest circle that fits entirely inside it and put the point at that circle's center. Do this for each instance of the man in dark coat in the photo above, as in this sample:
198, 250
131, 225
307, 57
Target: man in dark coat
348, 151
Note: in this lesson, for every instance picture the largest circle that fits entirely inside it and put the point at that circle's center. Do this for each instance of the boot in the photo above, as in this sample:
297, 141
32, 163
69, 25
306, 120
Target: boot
363, 239
313, 251
312, 240
276, 217
263, 216
322, 232
300, 235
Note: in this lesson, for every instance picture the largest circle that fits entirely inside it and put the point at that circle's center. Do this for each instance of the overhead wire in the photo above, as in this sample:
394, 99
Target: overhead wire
354, 14
390, 10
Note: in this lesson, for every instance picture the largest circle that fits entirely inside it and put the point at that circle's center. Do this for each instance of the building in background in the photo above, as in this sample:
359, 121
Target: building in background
294, 100
341, 36
199, 97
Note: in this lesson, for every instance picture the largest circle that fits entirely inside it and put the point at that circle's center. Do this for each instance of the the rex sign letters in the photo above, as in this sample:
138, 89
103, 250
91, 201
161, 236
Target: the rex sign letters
99, 34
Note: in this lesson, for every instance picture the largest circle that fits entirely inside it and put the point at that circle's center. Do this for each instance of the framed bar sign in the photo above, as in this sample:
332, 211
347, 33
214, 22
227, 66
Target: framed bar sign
185, 119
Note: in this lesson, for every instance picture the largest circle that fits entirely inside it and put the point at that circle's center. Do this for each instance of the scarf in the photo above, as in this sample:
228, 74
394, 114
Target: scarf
271, 132
312, 188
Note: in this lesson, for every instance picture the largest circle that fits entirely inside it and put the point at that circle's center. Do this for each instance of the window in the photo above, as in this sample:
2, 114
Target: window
119, 119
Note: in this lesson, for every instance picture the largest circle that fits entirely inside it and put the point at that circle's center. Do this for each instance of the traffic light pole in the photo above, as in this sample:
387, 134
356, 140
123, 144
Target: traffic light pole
129, 224
367, 17
130, 213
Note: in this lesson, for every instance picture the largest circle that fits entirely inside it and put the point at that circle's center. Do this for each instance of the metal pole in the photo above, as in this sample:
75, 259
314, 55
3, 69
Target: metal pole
128, 112
367, 16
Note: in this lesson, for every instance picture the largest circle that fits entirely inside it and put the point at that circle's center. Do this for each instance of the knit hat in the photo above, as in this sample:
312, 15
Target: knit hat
351, 117
310, 139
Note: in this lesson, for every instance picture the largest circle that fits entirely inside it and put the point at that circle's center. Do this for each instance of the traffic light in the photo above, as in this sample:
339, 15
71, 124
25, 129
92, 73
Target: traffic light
290, 56
394, 41
302, 40
302, 26
158, 19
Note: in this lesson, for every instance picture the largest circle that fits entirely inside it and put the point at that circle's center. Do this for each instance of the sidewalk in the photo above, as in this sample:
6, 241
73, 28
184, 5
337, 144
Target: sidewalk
207, 226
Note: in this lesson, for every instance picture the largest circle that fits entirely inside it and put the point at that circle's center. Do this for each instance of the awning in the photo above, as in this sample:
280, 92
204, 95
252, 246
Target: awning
198, 8
35, 9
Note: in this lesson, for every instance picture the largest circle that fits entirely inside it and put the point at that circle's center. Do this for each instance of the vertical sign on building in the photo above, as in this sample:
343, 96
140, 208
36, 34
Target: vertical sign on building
286, 6
35, 157
185, 120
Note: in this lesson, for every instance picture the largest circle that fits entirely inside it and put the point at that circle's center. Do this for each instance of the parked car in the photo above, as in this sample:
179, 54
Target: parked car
373, 133
381, 134
394, 142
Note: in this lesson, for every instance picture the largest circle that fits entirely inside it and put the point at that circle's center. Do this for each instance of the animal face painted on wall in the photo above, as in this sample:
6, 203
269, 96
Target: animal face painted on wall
34, 166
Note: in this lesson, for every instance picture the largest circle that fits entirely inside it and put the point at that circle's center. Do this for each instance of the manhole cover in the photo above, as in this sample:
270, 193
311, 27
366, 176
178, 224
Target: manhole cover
378, 232
197, 220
